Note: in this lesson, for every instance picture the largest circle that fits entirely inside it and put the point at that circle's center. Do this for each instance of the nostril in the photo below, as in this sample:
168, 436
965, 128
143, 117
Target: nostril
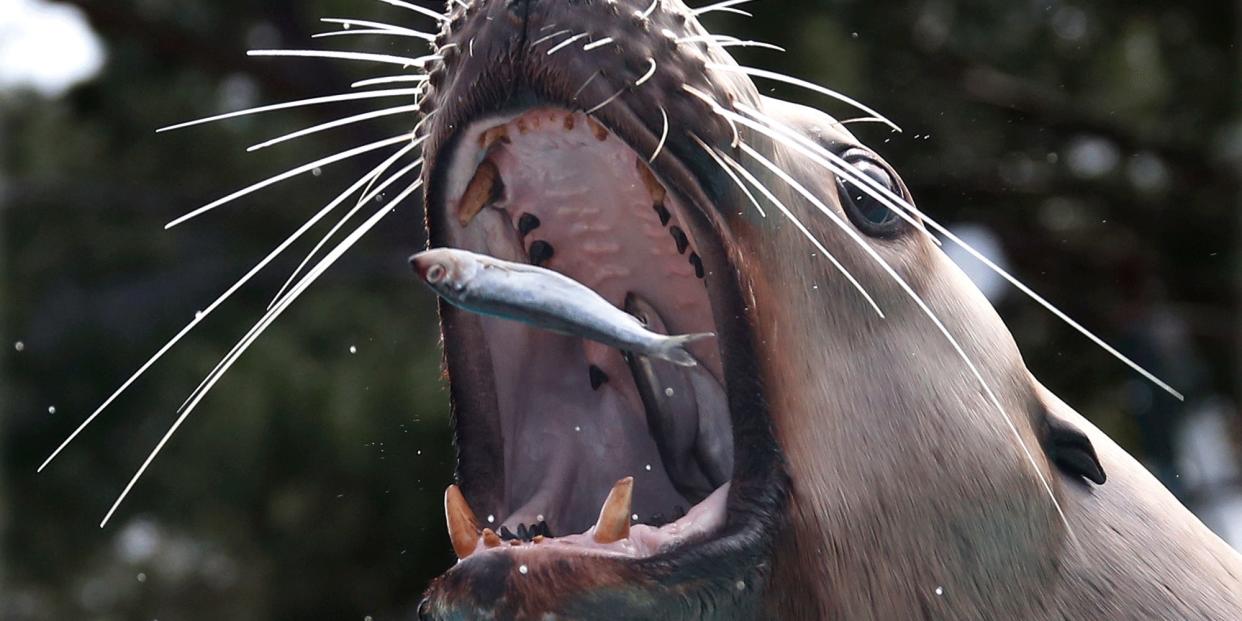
435, 273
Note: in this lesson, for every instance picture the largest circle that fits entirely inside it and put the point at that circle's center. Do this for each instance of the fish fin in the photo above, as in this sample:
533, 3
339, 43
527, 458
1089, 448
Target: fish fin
673, 349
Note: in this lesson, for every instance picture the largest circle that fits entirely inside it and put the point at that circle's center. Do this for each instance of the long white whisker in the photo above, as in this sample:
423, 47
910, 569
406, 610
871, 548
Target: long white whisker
918, 300
584, 85
440, 17
711, 101
728, 41
373, 31
419, 77
559, 46
363, 200
594, 44
549, 37
646, 76
388, 59
650, 9
313, 101
798, 224
608, 101
780, 77
266, 321
378, 26
334, 124
726, 9
199, 317
900, 206
663, 137
305, 168
725, 162
717, 6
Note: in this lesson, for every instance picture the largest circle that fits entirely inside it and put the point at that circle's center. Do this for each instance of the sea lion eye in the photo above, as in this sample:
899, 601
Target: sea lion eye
870, 214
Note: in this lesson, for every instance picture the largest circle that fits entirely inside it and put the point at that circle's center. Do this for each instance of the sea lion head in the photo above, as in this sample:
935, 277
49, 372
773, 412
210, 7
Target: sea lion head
869, 394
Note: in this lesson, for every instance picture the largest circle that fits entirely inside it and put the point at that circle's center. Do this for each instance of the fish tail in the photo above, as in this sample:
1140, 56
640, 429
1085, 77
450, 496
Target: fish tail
673, 349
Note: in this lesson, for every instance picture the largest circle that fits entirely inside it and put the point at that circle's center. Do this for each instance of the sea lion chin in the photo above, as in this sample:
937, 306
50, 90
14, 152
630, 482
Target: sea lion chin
892, 456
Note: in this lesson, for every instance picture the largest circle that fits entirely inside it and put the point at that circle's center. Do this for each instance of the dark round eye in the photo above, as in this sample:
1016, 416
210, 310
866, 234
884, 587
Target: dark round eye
868, 212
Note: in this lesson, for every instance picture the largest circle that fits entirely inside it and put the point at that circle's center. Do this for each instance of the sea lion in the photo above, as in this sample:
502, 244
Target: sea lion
893, 456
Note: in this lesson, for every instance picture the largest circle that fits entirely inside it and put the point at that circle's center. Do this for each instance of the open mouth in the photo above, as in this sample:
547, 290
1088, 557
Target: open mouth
566, 445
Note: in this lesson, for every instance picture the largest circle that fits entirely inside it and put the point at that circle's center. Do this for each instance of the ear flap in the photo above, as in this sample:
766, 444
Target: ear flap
1071, 450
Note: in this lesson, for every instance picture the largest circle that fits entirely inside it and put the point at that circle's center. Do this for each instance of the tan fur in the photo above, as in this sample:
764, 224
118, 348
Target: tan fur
905, 477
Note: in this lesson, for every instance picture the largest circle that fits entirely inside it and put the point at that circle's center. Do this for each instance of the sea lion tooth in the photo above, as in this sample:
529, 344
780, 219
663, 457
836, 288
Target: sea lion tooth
698, 265
463, 527
484, 187
490, 538
663, 213
597, 377
527, 223
679, 238
522, 533
507, 534
541, 252
614, 517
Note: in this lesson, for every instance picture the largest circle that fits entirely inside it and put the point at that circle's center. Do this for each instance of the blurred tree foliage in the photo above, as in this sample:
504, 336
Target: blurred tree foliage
1100, 141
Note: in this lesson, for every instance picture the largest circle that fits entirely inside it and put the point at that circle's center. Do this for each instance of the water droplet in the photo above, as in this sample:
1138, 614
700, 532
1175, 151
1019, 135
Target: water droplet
491, 519
51, 409
142, 577
19, 346
668, 392
198, 314
345, 26
317, 171
577, 428
648, 466
522, 570
939, 590
634, 516
539, 517
353, 350
741, 585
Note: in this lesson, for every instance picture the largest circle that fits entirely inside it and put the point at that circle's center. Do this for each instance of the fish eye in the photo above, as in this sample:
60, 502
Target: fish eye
436, 273
868, 213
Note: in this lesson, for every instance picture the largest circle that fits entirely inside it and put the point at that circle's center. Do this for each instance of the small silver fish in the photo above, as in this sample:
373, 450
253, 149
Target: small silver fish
544, 299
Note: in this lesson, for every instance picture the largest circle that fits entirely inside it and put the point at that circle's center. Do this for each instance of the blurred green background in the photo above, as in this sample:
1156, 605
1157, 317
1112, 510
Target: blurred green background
1097, 145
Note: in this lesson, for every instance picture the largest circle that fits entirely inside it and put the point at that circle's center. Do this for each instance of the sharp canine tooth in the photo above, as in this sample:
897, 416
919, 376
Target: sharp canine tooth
490, 538
614, 516
481, 191
463, 527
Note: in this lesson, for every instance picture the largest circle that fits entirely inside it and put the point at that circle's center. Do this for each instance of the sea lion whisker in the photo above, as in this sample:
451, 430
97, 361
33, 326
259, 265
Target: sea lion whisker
305, 168
718, 6
728, 41
907, 211
823, 90
258, 330
609, 100
663, 136
585, 83
711, 101
200, 316
720, 158
650, 9
374, 31
551, 36
418, 77
388, 59
349, 120
366, 197
647, 76
347, 22
563, 44
297, 103
440, 17
596, 44
927, 311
